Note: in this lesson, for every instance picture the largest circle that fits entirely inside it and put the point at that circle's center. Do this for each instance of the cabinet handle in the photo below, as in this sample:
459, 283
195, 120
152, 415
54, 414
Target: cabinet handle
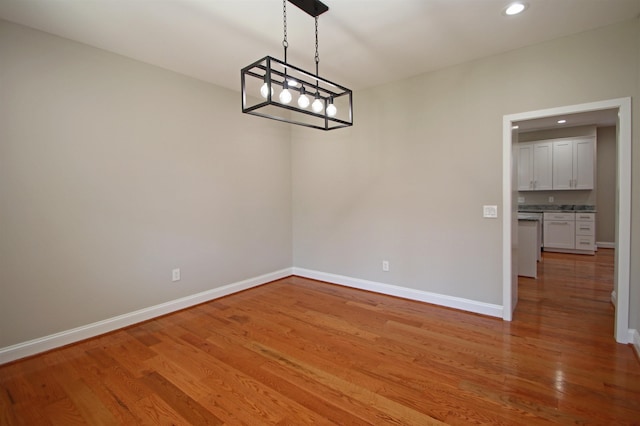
585, 243
559, 223
531, 184
582, 228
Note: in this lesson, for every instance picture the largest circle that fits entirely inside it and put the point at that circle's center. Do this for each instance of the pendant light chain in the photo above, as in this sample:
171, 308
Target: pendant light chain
317, 55
285, 43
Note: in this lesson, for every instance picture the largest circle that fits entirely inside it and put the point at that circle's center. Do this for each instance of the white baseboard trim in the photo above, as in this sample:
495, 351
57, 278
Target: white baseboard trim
634, 339
404, 292
603, 244
42, 344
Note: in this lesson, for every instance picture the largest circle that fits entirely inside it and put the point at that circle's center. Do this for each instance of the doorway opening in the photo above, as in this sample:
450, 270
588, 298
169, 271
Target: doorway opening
623, 206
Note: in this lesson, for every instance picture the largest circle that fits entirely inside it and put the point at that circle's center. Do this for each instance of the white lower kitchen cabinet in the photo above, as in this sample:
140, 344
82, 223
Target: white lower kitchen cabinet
586, 232
569, 232
529, 239
559, 231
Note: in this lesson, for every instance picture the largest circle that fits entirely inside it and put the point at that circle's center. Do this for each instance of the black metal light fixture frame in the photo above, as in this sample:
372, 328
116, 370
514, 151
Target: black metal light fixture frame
269, 74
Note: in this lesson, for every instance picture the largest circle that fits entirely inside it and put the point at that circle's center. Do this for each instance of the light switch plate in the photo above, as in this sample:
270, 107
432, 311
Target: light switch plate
490, 211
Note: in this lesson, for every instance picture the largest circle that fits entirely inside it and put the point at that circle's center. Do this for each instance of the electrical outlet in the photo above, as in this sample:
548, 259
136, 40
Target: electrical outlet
551, 199
175, 274
385, 265
520, 200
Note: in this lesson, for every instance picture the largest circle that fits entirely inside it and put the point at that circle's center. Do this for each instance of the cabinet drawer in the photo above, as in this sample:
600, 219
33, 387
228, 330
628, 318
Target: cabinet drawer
585, 228
559, 216
585, 243
587, 217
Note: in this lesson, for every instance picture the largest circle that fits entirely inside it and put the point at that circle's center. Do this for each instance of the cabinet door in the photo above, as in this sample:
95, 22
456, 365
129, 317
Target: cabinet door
559, 234
583, 164
563, 164
525, 167
543, 166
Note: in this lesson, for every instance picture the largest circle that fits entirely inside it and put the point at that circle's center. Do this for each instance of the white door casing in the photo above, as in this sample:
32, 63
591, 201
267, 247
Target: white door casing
623, 206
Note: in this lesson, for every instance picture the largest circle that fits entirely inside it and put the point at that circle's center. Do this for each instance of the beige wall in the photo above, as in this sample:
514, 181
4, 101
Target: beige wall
634, 301
113, 172
606, 183
408, 181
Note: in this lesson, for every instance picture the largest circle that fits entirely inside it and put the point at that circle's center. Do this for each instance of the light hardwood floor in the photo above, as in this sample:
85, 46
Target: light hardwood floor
297, 351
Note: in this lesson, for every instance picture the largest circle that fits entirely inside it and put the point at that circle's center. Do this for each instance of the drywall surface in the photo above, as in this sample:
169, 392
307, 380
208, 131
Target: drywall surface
606, 183
114, 172
408, 181
563, 132
634, 300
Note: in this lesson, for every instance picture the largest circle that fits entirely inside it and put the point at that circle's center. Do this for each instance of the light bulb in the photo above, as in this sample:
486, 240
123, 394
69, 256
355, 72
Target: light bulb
264, 90
317, 106
331, 110
285, 96
303, 101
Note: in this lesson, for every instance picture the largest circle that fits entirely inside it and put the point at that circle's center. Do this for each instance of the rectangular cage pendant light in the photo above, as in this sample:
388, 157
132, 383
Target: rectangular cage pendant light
275, 89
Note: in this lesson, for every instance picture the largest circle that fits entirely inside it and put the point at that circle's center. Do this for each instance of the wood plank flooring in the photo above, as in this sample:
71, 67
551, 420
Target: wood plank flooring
297, 351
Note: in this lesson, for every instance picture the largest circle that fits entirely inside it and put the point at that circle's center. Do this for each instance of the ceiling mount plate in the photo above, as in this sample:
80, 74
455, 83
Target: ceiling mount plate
311, 7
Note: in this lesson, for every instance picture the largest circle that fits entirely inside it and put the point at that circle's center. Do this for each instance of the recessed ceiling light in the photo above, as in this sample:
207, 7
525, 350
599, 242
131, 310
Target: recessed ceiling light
562, 121
515, 8
515, 127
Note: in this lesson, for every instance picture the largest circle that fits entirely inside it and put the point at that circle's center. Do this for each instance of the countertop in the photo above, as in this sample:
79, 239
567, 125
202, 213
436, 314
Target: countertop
563, 208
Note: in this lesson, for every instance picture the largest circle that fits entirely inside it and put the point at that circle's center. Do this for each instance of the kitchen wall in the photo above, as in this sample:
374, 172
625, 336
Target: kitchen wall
634, 300
407, 183
606, 183
561, 132
114, 172
559, 197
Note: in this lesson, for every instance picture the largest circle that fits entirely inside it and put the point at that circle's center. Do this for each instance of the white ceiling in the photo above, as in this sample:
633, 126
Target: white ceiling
363, 43
607, 117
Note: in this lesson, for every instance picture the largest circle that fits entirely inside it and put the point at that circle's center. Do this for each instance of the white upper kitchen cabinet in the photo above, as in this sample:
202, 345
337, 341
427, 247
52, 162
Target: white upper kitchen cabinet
542, 166
525, 166
535, 166
574, 163
584, 154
